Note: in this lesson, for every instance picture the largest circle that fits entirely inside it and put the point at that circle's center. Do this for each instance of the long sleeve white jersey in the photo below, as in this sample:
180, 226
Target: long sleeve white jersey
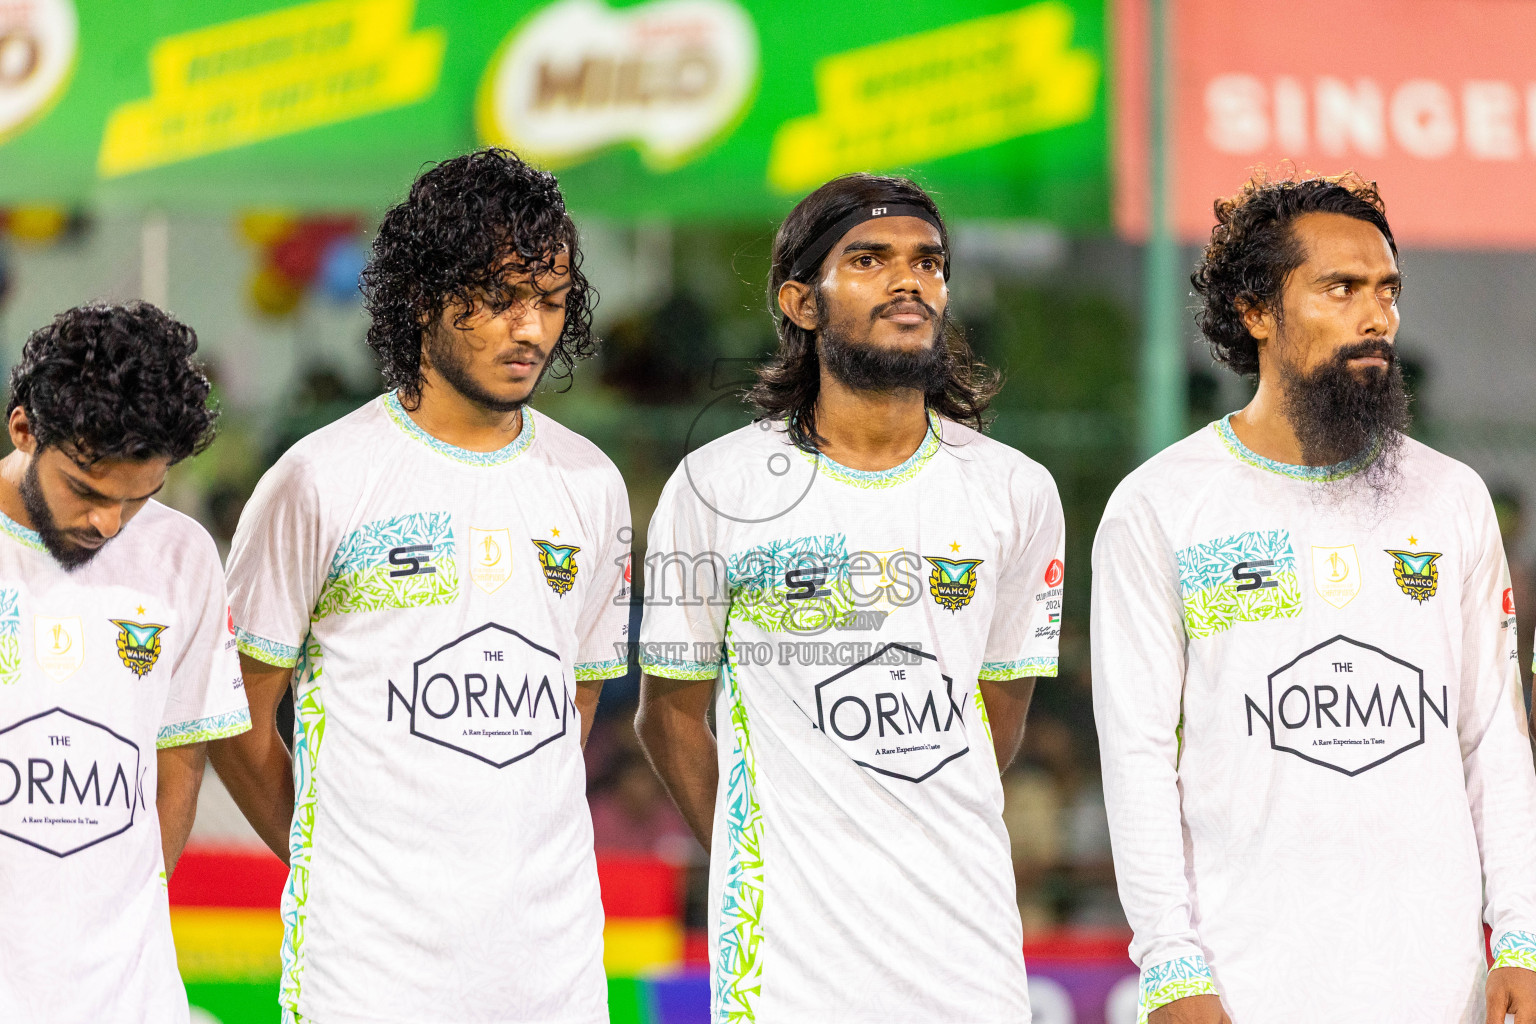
1315, 757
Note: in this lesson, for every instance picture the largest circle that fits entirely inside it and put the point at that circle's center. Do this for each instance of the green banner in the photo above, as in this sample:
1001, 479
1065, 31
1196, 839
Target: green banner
700, 109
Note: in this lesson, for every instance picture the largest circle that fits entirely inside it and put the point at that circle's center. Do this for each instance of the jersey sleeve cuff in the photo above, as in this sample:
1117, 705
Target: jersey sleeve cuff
611, 669
667, 668
1174, 979
997, 671
215, 727
1515, 949
268, 652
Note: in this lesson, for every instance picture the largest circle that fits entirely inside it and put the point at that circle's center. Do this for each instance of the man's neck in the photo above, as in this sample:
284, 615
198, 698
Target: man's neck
1263, 428
12, 469
867, 430
454, 419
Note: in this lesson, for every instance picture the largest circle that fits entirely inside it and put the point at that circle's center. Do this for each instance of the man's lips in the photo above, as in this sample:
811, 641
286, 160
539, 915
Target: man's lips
905, 314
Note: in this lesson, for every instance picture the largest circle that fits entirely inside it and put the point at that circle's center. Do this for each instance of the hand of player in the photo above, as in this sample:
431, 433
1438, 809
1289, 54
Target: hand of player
1205, 1010
1511, 990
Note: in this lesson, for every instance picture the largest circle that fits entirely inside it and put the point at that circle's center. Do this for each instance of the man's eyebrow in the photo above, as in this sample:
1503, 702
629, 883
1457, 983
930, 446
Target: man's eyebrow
91, 492
1348, 277
885, 248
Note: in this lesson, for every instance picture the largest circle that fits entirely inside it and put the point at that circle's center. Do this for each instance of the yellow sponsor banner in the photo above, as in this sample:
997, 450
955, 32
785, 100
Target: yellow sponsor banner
273, 74
227, 943
636, 946
939, 93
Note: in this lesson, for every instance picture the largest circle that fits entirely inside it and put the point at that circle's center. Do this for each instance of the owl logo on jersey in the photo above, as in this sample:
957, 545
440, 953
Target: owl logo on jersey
138, 645
1416, 574
952, 582
559, 564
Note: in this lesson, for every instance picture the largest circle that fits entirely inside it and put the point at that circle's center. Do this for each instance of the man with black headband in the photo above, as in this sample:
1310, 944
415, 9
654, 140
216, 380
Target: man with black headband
1315, 758
867, 587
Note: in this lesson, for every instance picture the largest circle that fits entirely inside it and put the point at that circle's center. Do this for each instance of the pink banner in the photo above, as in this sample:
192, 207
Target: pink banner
1433, 99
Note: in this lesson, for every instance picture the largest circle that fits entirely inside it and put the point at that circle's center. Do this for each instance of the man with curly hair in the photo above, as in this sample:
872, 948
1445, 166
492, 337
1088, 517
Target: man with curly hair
886, 587
117, 665
438, 576
1314, 749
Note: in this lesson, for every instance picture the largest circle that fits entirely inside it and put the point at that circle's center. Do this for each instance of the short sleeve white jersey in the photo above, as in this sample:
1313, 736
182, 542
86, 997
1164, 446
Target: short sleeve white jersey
440, 607
1314, 748
861, 870
99, 668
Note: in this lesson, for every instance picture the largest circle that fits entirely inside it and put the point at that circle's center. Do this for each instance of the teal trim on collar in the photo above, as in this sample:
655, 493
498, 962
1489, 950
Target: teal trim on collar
878, 478
1312, 474
499, 457
20, 534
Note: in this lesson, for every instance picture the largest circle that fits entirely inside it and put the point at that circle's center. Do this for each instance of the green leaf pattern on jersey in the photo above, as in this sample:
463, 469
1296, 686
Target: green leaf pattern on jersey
1515, 949
10, 635
738, 980
308, 735
1212, 602
360, 580
872, 479
760, 595
1163, 983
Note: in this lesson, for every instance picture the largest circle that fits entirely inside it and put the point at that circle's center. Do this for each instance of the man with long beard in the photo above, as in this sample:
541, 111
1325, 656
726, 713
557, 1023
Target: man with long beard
867, 586
1314, 750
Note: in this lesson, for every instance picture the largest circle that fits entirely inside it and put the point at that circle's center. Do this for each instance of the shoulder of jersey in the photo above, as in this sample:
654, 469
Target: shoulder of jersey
1176, 473
1436, 470
344, 441
165, 537
567, 450
989, 455
734, 460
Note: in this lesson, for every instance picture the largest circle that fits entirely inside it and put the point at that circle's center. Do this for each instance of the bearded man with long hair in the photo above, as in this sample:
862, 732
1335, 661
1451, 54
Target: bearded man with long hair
1315, 759
886, 588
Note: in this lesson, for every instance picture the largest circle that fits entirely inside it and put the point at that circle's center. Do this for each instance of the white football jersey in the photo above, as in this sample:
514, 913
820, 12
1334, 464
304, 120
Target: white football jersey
99, 668
439, 606
861, 871
1315, 757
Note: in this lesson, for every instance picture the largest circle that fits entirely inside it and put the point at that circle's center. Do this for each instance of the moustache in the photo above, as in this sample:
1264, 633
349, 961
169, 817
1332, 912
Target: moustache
1377, 347
904, 306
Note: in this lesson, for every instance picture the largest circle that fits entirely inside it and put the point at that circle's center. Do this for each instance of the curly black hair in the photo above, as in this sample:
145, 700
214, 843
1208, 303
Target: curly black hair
450, 244
1253, 249
114, 382
787, 386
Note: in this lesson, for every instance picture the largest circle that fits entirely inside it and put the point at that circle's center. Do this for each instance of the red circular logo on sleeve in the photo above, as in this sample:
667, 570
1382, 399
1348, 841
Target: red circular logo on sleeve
1509, 601
1053, 573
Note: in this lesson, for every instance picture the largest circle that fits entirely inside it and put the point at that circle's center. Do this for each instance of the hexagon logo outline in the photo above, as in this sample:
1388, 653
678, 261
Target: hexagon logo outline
133, 802
949, 689
416, 697
1351, 773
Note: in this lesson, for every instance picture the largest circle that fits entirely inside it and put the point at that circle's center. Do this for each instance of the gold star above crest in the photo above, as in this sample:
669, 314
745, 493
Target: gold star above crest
554, 532
1413, 542
954, 546
141, 609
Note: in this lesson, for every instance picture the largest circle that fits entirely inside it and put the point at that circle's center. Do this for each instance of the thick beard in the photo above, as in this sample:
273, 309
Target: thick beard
69, 556
1340, 416
863, 366
448, 361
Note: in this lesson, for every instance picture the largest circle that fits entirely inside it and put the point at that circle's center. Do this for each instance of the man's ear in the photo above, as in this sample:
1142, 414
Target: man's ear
798, 301
22, 438
1258, 319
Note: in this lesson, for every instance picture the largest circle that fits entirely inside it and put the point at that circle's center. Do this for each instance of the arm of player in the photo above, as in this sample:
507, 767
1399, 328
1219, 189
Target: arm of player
179, 777
1007, 705
1496, 760
255, 766
1138, 642
587, 693
675, 735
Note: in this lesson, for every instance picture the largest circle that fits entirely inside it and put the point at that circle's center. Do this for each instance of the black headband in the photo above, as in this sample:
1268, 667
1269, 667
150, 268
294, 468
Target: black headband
813, 256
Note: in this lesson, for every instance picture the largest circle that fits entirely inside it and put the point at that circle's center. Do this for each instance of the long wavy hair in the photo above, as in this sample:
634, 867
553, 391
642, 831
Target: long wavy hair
789, 383
449, 245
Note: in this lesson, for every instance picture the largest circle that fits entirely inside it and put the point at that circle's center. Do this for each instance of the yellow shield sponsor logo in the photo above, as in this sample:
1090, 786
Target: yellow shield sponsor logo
1336, 574
490, 558
59, 644
138, 645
